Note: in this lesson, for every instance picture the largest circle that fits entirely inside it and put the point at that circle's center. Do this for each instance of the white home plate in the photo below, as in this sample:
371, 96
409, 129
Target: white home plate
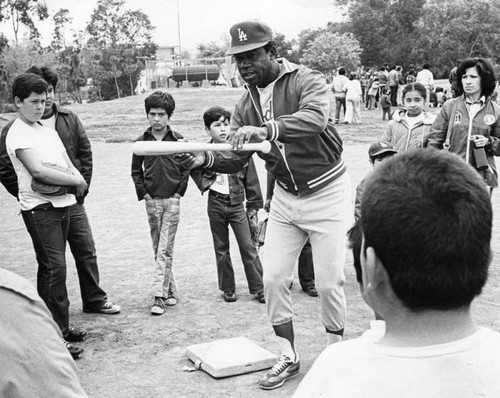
230, 357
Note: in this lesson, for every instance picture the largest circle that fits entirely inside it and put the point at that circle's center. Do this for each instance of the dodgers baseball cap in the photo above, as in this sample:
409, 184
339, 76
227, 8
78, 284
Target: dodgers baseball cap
380, 147
249, 35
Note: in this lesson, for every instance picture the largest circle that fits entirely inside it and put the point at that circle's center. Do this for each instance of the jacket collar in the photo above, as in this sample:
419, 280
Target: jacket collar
176, 135
285, 67
400, 113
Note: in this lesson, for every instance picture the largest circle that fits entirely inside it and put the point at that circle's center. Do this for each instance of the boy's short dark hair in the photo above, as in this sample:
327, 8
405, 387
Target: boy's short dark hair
215, 113
46, 74
341, 71
428, 216
27, 83
160, 99
485, 70
355, 238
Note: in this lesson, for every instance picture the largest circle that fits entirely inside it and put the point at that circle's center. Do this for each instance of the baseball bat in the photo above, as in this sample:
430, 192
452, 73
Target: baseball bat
155, 148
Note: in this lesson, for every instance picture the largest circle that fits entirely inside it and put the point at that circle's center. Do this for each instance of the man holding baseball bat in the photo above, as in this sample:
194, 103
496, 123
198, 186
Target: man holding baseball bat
288, 105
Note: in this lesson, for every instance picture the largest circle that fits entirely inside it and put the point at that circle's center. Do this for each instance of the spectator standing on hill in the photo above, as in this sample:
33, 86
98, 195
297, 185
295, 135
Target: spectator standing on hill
393, 85
339, 91
426, 78
353, 100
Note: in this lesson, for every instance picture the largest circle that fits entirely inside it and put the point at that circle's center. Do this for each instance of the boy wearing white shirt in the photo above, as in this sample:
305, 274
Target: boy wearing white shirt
37, 152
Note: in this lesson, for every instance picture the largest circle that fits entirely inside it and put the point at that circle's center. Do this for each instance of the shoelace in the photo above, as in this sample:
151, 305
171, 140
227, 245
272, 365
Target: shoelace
159, 303
281, 365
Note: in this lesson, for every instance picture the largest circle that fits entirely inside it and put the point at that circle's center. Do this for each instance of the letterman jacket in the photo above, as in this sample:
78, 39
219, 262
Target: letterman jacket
306, 149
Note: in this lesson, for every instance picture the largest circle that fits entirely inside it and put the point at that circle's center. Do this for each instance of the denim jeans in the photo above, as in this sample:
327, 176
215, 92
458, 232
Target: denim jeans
81, 243
339, 103
48, 228
323, 217
163, 216
221, 214
306, 267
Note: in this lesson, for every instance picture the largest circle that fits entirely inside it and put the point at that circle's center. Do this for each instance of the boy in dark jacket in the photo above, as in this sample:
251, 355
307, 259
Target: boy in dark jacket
161, 182
225, 207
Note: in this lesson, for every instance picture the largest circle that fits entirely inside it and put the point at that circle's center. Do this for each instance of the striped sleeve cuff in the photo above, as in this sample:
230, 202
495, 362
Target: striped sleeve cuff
272, 130
209, 159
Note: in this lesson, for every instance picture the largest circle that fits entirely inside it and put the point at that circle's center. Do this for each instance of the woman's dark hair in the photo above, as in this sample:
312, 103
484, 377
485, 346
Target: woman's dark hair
484, 69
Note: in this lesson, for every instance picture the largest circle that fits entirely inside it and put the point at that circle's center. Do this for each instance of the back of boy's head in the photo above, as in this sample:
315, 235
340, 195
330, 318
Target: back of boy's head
160, 99
27, 83
428, 217
215, 113
341, 71
45, 73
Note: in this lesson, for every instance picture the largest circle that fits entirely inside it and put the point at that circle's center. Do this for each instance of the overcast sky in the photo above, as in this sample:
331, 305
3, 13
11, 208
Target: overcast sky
203, 20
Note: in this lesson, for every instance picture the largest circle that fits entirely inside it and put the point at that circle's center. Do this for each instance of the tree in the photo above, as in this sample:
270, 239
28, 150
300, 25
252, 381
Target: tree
122, 37
459, 29
331, 51
21, 12
61, 18
214, 49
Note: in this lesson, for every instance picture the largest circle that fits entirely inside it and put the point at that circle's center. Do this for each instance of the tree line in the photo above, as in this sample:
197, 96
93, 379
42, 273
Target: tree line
395, 32
111, 51
116, 41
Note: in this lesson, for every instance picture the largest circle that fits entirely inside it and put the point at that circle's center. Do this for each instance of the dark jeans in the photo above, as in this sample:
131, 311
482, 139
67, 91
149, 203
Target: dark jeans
339, 103
48, 228
81, 243
394, 95
221, 214
306, 268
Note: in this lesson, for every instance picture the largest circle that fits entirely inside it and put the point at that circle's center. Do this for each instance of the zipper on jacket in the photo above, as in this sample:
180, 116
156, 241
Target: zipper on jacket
281, 146
471, 120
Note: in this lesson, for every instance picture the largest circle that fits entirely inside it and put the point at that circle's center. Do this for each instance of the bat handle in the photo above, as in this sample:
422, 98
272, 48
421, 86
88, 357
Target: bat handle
264, 146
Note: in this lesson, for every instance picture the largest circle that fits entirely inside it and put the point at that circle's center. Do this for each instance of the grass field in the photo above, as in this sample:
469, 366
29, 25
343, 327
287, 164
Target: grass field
135, 355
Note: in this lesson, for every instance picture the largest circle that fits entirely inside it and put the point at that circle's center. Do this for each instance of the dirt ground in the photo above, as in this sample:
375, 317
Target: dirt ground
133, 354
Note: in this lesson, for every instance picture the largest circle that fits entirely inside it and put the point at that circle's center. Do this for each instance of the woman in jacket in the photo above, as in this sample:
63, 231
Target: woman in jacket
469, 124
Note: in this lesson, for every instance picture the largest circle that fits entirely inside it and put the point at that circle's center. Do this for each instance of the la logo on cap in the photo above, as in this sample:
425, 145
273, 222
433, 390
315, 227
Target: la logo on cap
242, 36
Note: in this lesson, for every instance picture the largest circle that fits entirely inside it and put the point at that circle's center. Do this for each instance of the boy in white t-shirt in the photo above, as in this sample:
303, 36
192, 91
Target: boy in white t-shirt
37, 152
425, 254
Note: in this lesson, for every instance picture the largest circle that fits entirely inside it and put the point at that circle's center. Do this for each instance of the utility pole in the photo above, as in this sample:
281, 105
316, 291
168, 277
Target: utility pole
179, 28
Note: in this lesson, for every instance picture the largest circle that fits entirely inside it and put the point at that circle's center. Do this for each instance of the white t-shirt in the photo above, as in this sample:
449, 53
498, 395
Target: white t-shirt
50, 149
50, 122
221, 184
362, 368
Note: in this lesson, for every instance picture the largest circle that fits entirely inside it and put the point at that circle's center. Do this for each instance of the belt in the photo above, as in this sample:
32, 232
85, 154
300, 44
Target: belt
221, 196
42, 207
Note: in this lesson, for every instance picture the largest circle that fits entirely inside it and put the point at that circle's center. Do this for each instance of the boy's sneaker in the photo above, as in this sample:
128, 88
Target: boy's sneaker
171, 300
284, 369
75, 334
76, 352
260, 297
158, 307
106, 307
229, 296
